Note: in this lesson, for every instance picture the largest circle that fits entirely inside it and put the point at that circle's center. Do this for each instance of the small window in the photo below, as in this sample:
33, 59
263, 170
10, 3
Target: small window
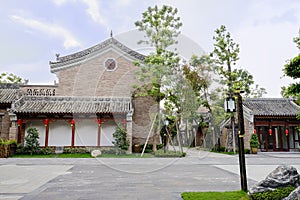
110, 64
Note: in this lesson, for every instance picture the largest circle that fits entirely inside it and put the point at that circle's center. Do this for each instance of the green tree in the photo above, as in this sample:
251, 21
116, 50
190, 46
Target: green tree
292, 69
32, 141
10, 78
225, 55
161, 26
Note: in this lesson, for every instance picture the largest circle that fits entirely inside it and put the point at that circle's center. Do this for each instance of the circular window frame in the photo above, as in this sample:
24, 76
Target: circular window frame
112, 60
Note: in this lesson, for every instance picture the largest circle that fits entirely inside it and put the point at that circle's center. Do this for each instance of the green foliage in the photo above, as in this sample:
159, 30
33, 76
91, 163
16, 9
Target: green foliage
10, 78
234, 195
7, 142
32, 141
120, 138
292, 69
254, 143
168, 154
75, 150
161, 26
225, 56
113, 151
277, 194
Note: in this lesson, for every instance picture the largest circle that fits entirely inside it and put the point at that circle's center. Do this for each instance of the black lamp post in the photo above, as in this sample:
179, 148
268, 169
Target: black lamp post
241, 140
230, 106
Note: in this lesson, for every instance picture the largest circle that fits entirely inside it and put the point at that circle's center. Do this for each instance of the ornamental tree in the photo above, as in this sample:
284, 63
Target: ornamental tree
225, 55
32, 141
161, 26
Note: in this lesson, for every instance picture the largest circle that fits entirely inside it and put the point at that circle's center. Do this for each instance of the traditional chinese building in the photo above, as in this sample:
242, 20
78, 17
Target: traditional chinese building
275, 122
94, 94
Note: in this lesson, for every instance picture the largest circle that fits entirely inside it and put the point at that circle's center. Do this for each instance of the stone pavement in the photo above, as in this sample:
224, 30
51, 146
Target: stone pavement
132, 178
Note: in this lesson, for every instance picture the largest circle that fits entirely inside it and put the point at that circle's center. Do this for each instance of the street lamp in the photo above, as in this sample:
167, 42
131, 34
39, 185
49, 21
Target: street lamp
241, 134
230, 106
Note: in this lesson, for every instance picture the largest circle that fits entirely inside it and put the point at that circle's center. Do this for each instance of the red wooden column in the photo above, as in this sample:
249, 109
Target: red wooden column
99, 132
73, 132
124, 122
20, 122
46, 122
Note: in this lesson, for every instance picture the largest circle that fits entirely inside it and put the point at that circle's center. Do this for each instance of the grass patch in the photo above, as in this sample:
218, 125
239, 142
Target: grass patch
134, 155
63, 155
234, 195
85, 155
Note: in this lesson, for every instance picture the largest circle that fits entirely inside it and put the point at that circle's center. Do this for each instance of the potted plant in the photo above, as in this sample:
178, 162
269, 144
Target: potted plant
254, 143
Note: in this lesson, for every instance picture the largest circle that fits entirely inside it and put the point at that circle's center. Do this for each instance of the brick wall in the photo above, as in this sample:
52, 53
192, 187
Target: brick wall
144, 112
4, 132
92, 79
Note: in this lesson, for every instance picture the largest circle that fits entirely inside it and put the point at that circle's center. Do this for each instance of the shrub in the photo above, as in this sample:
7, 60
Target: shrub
161, 153
247, 151
120, 138
113, 151
32, 141
47, 150
277, 194
76, 150
254, 141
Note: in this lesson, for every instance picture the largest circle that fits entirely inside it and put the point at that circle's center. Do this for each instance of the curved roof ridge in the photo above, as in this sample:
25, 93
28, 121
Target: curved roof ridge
96, 48
272, 106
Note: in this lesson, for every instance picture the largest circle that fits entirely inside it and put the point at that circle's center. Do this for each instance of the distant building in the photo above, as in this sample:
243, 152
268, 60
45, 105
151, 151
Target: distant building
274, 120
94, 94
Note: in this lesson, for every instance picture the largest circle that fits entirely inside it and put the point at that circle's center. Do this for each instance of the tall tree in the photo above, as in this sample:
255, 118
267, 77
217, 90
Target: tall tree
226, 55
161, 26
292, 69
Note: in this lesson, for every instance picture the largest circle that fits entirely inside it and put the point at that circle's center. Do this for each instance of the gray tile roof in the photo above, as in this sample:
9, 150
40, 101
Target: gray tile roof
83, 55
272, 107
8, 95
56, 104
8, 92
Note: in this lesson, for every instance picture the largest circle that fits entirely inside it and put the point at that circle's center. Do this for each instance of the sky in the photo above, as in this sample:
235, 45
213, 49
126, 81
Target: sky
33, 31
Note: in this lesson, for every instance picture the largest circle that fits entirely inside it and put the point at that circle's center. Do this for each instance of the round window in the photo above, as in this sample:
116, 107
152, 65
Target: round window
110, 64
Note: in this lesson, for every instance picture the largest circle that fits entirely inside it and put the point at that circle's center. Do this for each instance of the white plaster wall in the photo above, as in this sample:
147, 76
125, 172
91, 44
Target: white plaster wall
107, 130
86, 133
60, 133
39, 125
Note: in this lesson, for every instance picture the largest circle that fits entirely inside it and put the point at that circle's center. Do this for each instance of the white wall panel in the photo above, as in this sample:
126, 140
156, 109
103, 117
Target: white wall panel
86, 133
107, 130
60, 133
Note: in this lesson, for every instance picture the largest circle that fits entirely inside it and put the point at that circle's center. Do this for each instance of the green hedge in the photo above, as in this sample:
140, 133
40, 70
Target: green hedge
277, 194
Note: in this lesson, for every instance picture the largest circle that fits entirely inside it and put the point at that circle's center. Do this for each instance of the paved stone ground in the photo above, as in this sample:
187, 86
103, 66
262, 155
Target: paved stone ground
135, 178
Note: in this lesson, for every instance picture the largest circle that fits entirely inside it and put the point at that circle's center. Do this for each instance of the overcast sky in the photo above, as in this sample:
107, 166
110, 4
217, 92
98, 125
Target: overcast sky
33, 31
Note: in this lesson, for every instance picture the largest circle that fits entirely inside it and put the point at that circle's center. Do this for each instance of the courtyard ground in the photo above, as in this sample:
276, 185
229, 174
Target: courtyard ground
132, 178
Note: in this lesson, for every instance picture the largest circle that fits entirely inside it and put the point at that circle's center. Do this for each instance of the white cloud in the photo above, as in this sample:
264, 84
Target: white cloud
49, 29
93, 11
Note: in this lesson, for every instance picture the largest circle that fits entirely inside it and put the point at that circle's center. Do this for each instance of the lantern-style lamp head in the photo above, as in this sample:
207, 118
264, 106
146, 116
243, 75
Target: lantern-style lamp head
229, 105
